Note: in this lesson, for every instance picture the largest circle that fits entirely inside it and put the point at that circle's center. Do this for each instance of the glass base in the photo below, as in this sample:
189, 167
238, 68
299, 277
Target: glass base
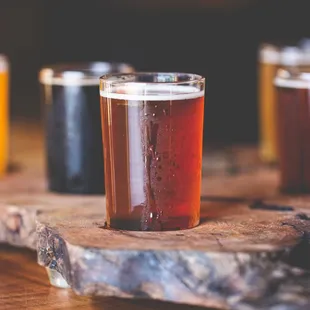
177, 223
56, 279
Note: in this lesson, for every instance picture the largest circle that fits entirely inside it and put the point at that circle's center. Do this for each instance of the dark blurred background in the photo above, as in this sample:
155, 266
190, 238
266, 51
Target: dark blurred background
216, 38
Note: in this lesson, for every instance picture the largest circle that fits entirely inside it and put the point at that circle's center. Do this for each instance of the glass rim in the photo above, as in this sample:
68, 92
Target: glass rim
122, 78
165, 86
68, 73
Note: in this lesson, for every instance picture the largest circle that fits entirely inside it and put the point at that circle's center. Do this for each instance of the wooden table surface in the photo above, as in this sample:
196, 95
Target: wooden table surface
24, 285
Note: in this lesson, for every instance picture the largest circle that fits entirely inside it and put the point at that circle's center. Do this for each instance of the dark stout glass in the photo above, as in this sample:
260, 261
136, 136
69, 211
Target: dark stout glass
74, 156
152, 137
293, 110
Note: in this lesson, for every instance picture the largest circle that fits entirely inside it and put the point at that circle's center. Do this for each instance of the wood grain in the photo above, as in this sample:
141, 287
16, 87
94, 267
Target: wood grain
232, 260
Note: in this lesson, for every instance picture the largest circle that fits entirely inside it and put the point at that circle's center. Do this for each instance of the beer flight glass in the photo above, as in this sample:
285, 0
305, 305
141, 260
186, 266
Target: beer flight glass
269, 60
152, 127
293, 113
4, 114
70, 95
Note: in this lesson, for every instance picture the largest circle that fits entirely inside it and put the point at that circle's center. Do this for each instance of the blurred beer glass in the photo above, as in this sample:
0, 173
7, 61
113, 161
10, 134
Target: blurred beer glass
269, 59
293, 113
4, 114
70, 93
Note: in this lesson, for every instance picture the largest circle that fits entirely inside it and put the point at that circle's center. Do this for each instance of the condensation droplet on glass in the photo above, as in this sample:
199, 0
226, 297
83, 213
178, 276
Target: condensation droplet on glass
155, 105
145, 114
154, 114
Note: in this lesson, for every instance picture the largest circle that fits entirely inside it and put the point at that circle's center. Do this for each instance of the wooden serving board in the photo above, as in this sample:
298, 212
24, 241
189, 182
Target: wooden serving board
23, 191
238, 258
251, 250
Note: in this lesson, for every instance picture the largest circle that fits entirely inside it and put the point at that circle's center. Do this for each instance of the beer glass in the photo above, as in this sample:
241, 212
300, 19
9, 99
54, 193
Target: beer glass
152, 127
269, 58
293, 111
70, 93
4, 114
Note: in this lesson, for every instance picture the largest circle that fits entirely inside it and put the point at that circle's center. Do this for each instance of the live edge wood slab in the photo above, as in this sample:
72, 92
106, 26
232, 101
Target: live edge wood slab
251, 250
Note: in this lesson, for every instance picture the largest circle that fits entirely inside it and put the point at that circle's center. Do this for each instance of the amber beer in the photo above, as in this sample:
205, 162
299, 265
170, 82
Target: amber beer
152, 137
269, 58
293, 110
4, 114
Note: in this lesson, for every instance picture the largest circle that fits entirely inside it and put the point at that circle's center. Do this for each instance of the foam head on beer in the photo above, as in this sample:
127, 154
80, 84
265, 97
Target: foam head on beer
134, 92
80, 74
